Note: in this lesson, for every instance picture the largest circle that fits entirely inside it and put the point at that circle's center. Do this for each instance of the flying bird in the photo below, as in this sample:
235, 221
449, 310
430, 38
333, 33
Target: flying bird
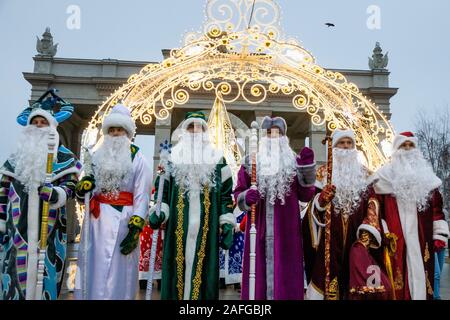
328, 24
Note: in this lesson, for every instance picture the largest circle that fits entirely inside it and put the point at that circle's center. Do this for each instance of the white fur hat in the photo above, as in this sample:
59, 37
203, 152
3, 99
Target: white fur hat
403, 137
39, 112
119, 116
338, 134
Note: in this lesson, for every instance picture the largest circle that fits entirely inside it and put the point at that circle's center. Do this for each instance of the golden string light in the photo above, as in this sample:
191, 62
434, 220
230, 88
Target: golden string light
239, 63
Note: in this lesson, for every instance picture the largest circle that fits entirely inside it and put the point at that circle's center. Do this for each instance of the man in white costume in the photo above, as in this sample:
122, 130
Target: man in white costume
121, 186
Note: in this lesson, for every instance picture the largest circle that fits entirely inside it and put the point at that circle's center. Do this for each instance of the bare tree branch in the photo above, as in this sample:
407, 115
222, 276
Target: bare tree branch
432, 130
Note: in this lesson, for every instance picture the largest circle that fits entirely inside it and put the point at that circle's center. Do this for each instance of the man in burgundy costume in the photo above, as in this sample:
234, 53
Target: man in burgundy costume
348, 196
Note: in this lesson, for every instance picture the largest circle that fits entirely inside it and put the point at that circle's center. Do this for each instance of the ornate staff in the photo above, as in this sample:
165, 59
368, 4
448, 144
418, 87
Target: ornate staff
388, 252
44, 223
86, 225
252, 273
328, 140
164, 155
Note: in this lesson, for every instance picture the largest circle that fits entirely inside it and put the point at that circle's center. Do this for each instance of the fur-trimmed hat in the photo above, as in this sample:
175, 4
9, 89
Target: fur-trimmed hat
119, 116
39, 112
196, 116
403, 137
338, 134
278, 122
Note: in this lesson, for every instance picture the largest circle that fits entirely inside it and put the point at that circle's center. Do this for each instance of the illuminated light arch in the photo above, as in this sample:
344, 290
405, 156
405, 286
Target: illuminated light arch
237, 62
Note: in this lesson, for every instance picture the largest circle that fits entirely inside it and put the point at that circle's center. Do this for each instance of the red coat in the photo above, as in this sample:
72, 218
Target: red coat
426, 230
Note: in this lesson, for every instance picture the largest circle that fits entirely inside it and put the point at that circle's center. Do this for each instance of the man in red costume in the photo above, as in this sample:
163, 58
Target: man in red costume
412, 217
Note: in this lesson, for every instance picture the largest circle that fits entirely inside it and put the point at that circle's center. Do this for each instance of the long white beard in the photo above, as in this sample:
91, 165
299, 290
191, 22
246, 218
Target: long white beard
276, 168
112, 164
194, 161
412, 177
350, 179
30, 158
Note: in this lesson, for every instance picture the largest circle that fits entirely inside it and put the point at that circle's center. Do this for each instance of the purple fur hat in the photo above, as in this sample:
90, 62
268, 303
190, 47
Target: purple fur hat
278, 122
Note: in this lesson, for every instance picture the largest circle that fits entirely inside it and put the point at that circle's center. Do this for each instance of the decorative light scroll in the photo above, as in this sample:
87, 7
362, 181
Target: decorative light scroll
251, 64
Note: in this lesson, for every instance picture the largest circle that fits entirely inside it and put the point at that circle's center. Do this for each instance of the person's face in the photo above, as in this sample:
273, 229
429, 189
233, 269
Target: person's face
117, 131
195, 127
273, 132
345, 143
407, 145
39, 122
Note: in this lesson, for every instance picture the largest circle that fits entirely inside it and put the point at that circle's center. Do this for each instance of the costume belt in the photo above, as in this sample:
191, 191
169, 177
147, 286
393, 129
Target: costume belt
124, 199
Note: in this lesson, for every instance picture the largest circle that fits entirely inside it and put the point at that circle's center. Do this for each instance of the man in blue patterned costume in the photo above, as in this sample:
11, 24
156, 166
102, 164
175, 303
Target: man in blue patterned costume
22, 192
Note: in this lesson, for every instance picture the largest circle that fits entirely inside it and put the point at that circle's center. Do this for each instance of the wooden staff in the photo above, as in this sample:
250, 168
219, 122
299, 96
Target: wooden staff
44, 222
164, 155
252, 273
328, 140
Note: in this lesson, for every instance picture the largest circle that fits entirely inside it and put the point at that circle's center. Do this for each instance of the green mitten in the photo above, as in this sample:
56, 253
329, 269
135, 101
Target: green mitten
85, 185
227, 236
155, 221
131, 241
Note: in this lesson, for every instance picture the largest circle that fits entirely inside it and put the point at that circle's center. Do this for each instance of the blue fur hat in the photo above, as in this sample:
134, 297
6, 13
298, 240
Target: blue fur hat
44, 107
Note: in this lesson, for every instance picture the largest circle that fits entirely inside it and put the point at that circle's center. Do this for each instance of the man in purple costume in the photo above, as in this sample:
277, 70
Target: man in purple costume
283, 179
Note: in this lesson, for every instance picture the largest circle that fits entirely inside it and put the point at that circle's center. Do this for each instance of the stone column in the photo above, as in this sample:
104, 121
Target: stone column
76, 131
297, 144
260, 114
316, 136
163, 131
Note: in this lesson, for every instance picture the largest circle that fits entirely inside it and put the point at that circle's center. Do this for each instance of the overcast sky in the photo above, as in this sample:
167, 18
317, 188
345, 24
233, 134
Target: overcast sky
416, 34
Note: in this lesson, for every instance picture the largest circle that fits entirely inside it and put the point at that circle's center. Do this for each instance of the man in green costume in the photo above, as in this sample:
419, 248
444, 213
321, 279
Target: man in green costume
197, 208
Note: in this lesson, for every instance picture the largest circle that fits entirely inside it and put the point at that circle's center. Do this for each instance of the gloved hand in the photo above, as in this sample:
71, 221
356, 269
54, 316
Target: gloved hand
155, 221
438, 245
306, 167
305, 157
227, 236
131, 241
252, 196
85, 185
47, 193
327, 195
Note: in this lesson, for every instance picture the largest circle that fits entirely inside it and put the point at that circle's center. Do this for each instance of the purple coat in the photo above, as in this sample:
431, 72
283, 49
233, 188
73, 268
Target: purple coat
279, 269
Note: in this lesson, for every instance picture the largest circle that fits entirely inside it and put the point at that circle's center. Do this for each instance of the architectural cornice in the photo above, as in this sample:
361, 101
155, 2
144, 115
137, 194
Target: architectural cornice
92, 61
30, 76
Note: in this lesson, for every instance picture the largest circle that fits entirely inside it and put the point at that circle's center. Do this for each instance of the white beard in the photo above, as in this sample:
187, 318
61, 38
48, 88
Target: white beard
276, 168
112, 164
193, 161
30, 158
412, 177
350, 179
